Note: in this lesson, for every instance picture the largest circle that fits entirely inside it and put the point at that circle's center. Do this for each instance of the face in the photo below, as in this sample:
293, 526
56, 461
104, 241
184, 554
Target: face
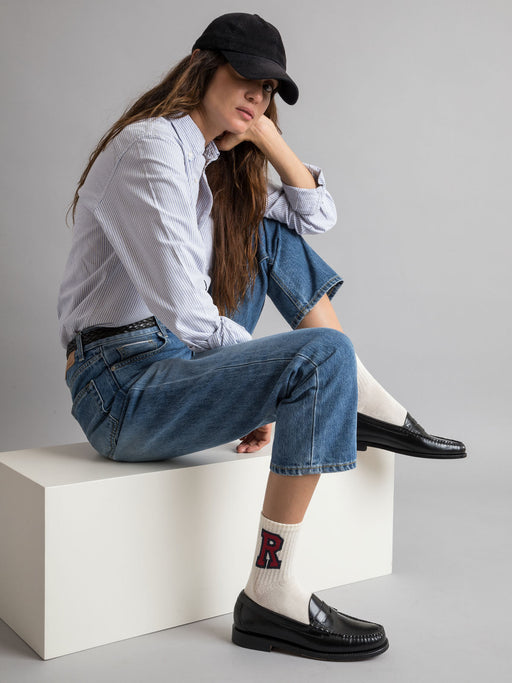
232, 103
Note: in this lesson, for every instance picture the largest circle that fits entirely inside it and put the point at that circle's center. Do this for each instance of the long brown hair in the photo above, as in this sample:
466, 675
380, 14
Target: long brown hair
238, 179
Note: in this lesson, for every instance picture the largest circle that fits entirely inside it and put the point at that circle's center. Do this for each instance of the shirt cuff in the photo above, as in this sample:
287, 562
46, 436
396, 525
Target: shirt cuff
228, 333
306, 201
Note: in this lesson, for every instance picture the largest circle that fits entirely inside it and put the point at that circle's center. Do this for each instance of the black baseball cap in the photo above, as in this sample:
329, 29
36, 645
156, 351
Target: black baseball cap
252, 46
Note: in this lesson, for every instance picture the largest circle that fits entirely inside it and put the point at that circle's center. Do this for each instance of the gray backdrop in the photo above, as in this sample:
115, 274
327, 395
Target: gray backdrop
406, 105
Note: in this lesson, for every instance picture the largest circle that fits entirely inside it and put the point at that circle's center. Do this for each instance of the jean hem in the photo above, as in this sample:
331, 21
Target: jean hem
330, 288
313, 469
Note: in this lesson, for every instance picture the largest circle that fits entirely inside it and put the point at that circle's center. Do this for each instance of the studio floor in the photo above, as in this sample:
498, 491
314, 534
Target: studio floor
446, 607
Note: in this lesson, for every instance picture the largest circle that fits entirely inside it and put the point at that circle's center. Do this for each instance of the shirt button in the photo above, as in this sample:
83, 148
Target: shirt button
190, 156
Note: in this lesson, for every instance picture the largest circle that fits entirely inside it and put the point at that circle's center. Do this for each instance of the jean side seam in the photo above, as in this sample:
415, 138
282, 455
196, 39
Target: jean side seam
113, 434
217, 368
313, 422
120, 423
315, 366
285, 290
306, 358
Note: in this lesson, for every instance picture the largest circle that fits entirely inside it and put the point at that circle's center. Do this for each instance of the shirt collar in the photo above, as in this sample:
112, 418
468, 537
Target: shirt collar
193, 139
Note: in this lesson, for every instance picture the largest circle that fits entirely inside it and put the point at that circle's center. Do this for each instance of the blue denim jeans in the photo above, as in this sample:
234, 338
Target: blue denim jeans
144, 395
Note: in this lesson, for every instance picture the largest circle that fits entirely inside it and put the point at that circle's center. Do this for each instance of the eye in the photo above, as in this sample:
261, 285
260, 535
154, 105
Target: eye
268, 88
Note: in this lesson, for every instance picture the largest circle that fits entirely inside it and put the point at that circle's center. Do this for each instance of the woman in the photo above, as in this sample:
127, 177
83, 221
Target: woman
177, 241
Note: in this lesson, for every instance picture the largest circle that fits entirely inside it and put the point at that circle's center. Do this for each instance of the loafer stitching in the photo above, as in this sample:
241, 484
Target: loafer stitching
371, 637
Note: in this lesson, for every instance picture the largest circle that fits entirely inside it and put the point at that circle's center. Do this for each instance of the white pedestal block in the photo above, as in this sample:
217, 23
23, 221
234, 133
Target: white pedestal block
94, 551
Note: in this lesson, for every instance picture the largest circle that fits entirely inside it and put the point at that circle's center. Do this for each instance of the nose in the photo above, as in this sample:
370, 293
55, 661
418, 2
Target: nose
254, 92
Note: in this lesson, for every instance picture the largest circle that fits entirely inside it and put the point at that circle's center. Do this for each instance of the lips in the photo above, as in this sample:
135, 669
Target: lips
248, 115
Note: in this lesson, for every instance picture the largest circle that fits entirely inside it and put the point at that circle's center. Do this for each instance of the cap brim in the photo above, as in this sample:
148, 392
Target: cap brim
251, 66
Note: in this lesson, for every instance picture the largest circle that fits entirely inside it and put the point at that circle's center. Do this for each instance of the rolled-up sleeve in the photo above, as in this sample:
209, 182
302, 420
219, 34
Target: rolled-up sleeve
307, 211
148, 215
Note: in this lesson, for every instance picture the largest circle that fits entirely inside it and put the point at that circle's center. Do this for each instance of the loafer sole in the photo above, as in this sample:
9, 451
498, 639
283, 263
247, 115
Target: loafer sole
363, 445
254, 641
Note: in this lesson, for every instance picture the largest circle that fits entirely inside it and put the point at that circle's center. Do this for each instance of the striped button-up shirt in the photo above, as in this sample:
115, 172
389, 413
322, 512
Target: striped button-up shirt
142, 238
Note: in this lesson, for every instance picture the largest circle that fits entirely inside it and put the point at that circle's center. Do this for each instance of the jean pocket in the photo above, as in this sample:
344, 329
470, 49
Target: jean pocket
98, 425
135, 350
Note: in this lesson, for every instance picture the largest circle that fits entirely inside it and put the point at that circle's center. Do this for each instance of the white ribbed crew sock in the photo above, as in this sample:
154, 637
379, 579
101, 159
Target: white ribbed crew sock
375, 401
272, 583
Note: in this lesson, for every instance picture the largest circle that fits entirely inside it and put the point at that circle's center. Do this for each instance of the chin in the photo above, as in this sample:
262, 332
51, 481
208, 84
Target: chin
237, 126
238, 130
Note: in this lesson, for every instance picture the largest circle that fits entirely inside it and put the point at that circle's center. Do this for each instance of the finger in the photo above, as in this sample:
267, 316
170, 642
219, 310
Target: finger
246, 441
254, 448
248, 446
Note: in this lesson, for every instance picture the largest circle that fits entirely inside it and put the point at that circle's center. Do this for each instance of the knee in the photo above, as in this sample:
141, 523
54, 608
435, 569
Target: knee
341, 346
325, 343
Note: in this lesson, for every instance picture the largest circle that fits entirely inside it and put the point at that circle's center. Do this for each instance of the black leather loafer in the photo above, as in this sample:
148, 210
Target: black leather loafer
410, 439
329, 635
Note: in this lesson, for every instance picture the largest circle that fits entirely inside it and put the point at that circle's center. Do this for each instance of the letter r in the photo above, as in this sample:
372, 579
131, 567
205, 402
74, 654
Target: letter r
271, 544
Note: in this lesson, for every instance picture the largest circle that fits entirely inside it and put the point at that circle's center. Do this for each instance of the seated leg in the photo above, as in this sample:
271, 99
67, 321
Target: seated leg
382, 422
274, 610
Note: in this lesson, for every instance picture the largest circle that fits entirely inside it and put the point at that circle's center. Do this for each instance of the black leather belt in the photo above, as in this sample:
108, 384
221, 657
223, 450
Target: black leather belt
96, 333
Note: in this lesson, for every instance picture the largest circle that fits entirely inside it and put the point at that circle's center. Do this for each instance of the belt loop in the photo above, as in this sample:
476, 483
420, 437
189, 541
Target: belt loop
161, 327
79, 354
